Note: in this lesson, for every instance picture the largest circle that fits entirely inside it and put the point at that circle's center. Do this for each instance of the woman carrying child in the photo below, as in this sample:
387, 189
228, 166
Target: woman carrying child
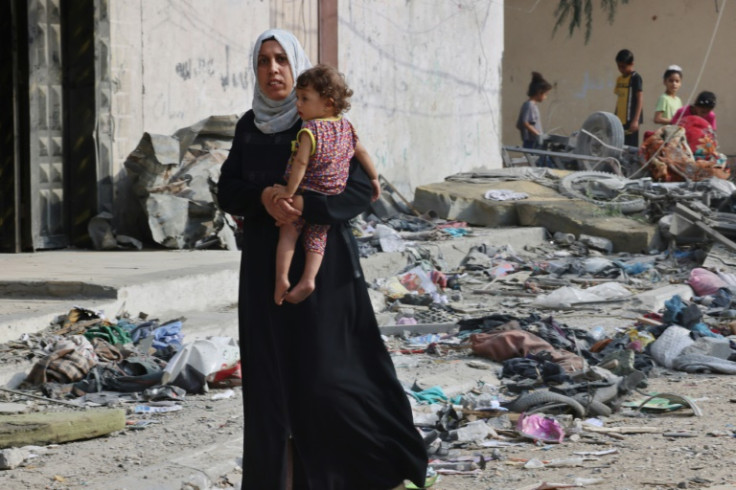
323, 408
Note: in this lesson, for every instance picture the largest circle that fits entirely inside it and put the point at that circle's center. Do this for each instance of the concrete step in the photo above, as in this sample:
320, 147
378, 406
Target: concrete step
200, 286
463, 200
35, 288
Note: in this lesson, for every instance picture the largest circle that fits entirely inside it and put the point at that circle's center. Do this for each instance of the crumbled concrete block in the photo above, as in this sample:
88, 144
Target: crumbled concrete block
11, 458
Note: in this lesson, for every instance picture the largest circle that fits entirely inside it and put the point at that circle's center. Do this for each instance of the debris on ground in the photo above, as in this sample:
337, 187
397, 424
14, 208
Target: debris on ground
515, 362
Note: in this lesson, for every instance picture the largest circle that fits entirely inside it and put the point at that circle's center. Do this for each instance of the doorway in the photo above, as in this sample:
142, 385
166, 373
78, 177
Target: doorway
48, 165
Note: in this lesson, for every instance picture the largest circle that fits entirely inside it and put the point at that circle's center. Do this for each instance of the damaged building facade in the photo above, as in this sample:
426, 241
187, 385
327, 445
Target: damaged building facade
90, 77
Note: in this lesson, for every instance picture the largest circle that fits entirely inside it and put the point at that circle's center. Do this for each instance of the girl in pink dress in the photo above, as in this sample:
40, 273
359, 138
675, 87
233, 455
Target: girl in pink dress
320, 162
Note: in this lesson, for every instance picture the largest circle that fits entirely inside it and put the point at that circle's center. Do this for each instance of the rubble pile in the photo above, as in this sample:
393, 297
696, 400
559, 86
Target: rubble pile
554, 383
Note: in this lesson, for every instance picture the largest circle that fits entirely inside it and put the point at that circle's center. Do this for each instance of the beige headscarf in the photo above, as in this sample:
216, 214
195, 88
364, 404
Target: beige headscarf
273, 116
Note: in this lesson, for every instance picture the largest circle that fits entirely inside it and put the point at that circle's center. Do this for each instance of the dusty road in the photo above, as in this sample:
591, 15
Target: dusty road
200, 446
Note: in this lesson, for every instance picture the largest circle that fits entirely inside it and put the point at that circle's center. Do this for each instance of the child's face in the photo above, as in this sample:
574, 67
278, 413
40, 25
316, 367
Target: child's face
673, 83
699, 110
540, 96
310, 105
625, 68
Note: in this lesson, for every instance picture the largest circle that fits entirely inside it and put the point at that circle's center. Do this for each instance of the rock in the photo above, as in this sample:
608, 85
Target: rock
11, 458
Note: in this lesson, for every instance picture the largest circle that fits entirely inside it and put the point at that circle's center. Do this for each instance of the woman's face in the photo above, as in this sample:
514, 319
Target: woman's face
274, 72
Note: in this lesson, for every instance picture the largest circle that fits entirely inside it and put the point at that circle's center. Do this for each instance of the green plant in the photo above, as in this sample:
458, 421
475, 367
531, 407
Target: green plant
574, 12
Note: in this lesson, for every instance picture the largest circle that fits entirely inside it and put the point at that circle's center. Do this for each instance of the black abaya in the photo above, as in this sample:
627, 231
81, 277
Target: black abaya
317, 372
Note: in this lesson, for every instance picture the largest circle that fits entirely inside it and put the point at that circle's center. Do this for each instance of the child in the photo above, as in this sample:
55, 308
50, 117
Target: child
668, 103
320, 162
629, 97
529, 123
703, 107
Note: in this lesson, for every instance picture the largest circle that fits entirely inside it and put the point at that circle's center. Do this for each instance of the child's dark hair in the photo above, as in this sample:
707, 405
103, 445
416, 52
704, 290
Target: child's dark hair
706, 99
625, 56
327, 82
671, 70
538, 85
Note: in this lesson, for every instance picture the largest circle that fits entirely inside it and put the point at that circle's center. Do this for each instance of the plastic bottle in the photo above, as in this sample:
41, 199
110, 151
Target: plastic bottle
597, 333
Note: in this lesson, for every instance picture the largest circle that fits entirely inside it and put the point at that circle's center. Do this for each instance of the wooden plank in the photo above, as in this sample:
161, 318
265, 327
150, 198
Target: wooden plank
56, 427
697, 219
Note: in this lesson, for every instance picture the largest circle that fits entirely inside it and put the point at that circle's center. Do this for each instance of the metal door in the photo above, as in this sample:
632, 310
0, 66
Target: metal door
46, 179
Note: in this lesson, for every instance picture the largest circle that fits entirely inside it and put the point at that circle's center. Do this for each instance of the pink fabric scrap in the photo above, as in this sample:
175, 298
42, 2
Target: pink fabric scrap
540, 428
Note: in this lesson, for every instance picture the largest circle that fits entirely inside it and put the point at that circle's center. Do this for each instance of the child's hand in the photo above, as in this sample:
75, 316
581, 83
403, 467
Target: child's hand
376, 189
280, 192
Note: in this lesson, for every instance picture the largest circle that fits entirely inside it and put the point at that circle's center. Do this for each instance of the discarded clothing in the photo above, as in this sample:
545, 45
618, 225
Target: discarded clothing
70, 361
112, 334
679, 313
500, 346
430, 395
168, 335
548, 372
698, 363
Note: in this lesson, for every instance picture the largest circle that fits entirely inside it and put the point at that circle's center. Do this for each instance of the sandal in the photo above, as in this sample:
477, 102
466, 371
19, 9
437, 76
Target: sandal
430, 480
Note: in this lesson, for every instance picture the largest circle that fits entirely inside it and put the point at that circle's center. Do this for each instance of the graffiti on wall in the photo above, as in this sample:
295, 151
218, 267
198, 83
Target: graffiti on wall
200, 67
204, 68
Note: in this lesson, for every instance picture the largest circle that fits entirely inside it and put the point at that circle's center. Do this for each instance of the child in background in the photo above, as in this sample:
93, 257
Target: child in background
529, 122
320, 162
703, 107
669, 103
628, 90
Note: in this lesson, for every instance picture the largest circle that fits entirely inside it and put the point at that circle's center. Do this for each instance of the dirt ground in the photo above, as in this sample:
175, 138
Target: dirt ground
200, 446
204, 438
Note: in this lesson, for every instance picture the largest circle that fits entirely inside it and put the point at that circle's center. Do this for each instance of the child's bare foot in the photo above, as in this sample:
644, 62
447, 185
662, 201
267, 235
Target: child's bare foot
300, 292
282, 287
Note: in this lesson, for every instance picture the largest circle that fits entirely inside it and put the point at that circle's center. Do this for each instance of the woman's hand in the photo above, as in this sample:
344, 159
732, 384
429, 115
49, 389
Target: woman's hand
280, 192
376, 186
281, 210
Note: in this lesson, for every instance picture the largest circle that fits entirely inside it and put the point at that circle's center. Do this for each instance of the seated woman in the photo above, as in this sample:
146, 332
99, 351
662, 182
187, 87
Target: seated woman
687, 151
703, 106
701, 137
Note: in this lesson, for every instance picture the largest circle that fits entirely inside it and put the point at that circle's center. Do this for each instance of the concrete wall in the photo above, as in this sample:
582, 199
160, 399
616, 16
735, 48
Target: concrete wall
658, 32
197, 59
426, 76
173, 63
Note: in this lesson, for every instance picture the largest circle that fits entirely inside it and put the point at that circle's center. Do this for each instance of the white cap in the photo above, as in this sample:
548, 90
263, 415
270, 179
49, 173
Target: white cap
674, 68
